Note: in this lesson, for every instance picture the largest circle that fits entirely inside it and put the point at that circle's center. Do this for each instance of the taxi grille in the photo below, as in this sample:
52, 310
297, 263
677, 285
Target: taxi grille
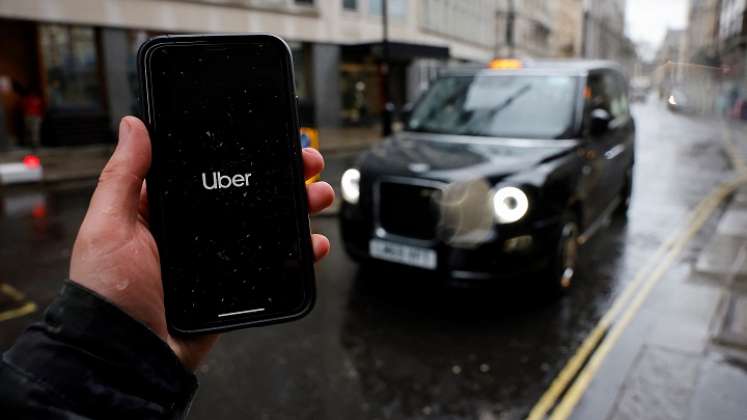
409, 210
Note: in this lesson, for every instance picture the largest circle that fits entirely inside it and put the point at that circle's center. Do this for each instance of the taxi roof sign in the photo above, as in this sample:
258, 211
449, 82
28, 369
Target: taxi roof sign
505, 64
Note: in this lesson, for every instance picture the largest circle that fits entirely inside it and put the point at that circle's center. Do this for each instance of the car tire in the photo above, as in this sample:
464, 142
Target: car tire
626, 193
562, 267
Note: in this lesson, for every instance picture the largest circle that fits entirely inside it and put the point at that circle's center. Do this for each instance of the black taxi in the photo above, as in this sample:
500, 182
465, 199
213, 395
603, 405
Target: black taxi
498, 174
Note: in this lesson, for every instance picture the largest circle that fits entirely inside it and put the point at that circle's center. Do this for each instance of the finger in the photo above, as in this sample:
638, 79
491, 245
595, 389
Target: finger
320, 243
313, 163
321, 195
117, 195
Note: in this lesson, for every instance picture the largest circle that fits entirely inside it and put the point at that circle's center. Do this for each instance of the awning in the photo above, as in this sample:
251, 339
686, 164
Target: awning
398, 51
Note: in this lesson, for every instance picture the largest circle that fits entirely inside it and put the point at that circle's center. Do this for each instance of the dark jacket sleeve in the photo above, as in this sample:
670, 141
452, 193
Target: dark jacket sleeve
87, 359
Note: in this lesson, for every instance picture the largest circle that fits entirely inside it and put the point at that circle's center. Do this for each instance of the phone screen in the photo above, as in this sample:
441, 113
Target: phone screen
231, 219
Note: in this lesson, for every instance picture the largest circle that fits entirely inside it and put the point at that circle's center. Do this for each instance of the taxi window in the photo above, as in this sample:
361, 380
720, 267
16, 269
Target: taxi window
519, 106
620, 106
607, 91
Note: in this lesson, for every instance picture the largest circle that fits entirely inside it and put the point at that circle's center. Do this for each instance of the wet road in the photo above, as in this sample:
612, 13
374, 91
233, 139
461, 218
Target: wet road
387, 345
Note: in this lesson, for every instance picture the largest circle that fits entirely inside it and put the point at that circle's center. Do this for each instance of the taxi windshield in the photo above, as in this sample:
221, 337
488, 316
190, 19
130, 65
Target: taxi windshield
516, 106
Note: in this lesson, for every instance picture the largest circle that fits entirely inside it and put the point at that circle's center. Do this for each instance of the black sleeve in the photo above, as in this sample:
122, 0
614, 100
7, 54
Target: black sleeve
87, 359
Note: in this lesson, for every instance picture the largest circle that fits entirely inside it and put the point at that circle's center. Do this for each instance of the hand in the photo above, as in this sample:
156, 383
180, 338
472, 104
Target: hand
115, 254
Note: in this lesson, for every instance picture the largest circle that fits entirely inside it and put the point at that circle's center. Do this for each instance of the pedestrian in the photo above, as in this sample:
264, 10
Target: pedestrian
102, 349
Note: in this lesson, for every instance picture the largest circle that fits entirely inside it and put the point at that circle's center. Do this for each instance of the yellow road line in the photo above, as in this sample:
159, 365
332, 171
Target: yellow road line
27, 308
574, 364
571, 398
670, 247
13, 293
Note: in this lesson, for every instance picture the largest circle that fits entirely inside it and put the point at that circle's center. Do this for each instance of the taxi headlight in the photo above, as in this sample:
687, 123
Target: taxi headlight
510, 204
350, 184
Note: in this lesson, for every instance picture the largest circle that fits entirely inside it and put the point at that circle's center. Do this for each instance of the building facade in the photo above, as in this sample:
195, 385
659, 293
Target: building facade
732, 35
78, 56
604, 27
604, 34
672, 48
733, 53
668, 61
703, 32
567, 17
523, 28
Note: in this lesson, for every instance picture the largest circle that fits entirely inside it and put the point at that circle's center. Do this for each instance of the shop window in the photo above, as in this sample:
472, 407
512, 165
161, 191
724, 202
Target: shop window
361, 93
395, 8
71, 66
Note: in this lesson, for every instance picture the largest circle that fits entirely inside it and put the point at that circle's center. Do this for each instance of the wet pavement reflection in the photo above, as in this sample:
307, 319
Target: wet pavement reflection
389, 344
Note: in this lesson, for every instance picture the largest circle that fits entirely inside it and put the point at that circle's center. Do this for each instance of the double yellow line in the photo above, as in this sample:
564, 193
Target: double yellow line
26, 307
569, 385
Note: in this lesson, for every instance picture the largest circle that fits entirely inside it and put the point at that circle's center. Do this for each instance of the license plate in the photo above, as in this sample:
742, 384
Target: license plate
403, 254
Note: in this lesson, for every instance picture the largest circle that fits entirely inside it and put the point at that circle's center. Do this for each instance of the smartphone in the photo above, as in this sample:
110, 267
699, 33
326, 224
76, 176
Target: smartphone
226, 193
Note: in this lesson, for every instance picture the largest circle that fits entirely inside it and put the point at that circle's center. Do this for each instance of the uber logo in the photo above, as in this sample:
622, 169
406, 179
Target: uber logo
221, 181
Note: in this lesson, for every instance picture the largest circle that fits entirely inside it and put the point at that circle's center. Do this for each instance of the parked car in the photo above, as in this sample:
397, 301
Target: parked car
498, 174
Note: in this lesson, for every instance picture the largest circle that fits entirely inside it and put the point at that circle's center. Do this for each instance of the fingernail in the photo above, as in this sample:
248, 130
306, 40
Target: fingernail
124, 129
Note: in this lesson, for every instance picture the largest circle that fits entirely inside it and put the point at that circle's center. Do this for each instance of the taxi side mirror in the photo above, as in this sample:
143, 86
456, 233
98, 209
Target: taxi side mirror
599, 122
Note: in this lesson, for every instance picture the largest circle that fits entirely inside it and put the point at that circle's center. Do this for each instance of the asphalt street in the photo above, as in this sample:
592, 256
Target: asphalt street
388, 344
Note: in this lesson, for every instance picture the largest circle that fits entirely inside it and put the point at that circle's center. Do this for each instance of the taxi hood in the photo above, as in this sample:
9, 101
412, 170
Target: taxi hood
450, 157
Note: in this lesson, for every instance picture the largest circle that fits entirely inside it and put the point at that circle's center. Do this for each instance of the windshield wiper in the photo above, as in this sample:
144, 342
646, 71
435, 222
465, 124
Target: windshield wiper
469, 127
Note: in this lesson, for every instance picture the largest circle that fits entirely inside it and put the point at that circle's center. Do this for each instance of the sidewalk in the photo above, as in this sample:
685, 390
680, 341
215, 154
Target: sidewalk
684, 355
725, 261
82, 162
66, 163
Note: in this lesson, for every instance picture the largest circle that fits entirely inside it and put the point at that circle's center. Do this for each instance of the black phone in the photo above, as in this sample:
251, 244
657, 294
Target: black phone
226, 191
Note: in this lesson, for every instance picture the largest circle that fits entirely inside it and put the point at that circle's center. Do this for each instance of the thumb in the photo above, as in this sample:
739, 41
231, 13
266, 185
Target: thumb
117, 194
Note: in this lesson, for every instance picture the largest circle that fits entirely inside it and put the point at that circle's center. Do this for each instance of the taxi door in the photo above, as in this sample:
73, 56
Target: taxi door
603, 148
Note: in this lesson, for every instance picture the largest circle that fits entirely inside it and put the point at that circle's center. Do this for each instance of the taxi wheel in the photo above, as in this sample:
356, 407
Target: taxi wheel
562, 267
